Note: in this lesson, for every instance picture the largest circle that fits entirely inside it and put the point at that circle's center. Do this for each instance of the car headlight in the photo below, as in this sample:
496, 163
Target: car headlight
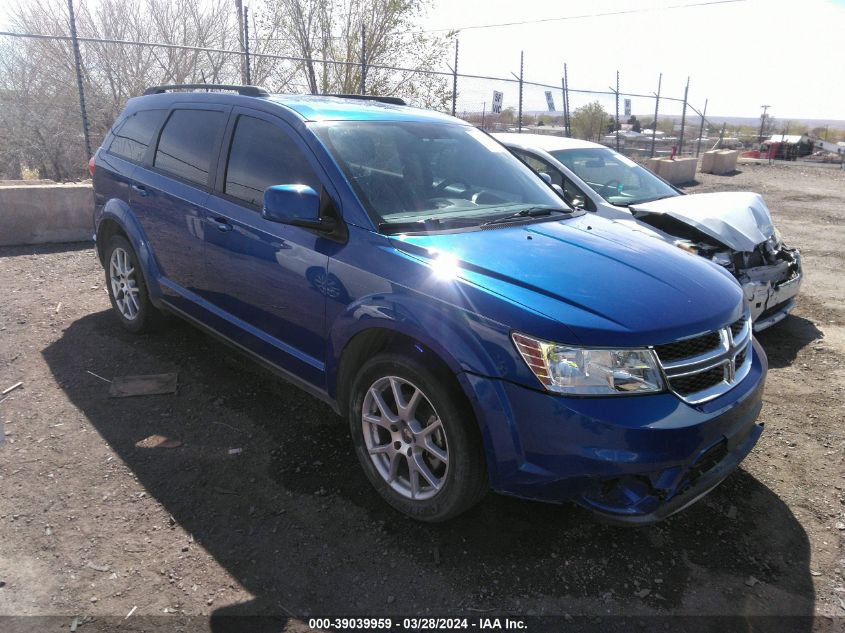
589, 372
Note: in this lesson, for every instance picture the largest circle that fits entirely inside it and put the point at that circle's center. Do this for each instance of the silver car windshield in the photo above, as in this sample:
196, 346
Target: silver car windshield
616, 178
444, 174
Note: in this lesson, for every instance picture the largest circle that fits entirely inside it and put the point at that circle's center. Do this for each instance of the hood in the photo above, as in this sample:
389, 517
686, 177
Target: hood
739, 220
607, 285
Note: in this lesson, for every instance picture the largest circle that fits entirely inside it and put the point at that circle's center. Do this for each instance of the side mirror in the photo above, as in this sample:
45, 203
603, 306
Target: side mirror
297, 205
545, 177
558, 189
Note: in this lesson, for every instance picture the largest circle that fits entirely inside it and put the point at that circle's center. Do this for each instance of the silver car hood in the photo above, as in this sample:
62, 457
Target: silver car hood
739, 220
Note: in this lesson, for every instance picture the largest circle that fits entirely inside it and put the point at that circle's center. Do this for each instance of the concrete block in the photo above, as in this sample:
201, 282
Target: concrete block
676, 171
725, 162
43, 214
707, 159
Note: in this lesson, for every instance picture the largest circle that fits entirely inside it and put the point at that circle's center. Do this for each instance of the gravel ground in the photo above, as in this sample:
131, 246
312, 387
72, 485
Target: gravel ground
92, 526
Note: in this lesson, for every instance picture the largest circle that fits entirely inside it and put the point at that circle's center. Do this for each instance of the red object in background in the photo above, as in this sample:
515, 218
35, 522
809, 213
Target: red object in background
674, 150
91, 166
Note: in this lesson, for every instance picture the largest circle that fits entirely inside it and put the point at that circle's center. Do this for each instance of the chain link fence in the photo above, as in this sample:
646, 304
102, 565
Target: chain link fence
640, 124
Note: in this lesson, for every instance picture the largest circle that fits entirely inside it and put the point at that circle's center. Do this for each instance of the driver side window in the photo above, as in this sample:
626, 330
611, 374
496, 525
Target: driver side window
570, 191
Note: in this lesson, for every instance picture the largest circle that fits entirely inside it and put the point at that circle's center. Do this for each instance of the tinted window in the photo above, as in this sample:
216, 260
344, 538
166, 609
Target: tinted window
187, 143
263, 155
133, 136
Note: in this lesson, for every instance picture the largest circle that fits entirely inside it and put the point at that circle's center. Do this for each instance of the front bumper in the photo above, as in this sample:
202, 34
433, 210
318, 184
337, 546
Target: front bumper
635, 459
771, 300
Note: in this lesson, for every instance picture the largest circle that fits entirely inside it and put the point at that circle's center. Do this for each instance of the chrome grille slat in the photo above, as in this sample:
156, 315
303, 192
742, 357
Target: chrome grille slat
705, 374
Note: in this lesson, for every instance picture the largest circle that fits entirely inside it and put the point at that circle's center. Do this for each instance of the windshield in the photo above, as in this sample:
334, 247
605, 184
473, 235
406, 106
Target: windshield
441, 175
615, 177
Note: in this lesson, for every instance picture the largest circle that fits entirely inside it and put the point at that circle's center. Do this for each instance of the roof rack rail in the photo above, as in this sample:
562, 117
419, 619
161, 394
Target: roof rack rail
392, 100
247, 91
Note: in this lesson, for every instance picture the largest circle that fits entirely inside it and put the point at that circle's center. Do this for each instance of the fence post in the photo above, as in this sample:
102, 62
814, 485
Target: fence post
483, 114
246, 47
701, 129
683, 120
567, 122
239, 7
77, 58
455, 78
617, 110
363, 59
521, 67
656, 110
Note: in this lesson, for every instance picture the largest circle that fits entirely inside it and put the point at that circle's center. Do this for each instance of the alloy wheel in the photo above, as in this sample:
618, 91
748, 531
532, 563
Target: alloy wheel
124, 284
405, 438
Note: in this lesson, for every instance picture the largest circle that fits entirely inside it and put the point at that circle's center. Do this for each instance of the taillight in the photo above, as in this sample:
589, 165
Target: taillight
91, 166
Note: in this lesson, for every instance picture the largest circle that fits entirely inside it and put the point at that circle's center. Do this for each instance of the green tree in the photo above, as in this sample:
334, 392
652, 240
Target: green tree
589, 120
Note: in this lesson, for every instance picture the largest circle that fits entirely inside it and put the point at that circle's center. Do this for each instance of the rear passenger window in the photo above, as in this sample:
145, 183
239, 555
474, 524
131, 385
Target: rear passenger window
187, 142
263, 155
133, 136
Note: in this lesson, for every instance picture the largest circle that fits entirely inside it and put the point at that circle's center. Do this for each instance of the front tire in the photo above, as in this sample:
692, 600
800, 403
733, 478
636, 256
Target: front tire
416, 439
127, 287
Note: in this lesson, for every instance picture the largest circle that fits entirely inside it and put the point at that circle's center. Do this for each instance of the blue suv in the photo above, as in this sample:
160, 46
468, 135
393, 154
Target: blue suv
401, 265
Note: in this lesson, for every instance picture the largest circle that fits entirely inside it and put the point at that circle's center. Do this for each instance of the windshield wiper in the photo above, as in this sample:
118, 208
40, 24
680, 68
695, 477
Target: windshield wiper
531, 212
425, 225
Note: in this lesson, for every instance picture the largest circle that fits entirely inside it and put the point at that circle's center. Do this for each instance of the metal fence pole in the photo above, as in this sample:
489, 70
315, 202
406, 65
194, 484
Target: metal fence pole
567, 119
521, 68
656, 110
77, 58
483, 114
239, 7
246, 47
701, 129
455, 78
683, 120
363, 59
617, 110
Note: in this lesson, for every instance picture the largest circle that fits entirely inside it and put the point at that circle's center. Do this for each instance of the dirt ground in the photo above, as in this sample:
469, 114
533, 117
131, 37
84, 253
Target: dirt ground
93, 528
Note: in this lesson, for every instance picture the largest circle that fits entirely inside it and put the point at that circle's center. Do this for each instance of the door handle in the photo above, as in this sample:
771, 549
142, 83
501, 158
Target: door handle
141, 190
222, 224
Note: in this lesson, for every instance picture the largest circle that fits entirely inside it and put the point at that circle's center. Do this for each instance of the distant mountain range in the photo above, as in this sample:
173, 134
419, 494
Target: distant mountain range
780, 122
716, 119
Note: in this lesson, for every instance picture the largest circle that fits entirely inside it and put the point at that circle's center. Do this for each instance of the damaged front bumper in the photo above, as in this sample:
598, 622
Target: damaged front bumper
633, 460
770, 291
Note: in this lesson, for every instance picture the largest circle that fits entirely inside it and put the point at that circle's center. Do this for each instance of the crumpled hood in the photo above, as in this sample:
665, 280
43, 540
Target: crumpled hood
739, 220
606, 284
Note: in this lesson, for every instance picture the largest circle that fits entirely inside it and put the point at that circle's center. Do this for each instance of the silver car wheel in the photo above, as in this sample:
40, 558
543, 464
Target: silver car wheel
124, 285
405, 438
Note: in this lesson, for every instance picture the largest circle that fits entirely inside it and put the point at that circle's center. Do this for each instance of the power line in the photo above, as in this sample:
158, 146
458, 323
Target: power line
582, 16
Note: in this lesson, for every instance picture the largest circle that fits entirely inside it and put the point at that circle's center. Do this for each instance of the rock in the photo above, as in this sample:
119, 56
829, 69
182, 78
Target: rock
390, 599
642, 593
751, 581
732, 512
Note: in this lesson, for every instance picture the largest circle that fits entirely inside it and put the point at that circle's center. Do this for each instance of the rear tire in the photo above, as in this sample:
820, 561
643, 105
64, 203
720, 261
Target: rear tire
127, 288
416, 439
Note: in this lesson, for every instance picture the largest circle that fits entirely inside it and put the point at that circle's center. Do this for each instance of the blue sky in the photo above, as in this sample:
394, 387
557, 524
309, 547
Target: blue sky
738, 55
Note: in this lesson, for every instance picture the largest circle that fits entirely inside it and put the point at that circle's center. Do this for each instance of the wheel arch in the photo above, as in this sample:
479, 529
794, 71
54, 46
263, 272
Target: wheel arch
117, 219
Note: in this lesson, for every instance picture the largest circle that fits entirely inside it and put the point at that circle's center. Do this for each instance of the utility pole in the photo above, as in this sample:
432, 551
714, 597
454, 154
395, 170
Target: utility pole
763, 121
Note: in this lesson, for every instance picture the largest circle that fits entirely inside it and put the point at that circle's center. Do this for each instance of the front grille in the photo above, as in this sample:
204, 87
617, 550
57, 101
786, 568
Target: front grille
736, 327
703, 367
686, 385
688, 348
